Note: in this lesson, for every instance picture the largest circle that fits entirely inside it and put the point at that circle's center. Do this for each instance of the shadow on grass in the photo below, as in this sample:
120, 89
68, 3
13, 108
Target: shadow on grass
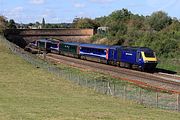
165, 71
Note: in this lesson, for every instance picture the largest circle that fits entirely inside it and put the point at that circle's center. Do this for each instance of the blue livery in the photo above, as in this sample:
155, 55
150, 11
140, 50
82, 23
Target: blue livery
131, 57
94, 50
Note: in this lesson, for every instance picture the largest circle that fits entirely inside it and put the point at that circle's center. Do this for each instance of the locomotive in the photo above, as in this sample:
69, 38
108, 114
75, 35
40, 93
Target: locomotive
141, 58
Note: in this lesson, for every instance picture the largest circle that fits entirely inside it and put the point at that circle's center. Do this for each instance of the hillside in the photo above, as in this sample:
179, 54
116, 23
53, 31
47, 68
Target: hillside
158, 31
27, 92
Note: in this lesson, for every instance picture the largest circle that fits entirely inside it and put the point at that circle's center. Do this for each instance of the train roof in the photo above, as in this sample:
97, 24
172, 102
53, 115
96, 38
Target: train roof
46, 40
137, 48
95, 46
116, 46
71, 43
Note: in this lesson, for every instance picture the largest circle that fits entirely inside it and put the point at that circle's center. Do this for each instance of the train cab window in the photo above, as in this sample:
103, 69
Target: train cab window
149, 54
138, 56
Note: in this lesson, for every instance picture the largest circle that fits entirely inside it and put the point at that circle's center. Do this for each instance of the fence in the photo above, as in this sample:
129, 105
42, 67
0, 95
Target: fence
104, 84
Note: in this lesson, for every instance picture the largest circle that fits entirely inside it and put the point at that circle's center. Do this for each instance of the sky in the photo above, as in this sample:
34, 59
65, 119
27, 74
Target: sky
59, 11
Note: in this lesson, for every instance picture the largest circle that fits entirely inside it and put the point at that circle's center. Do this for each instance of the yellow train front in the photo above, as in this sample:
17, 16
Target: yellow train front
142, 58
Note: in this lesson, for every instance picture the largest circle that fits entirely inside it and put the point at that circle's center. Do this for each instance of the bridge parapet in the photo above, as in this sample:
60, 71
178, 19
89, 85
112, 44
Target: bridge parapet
24, 36
59, 32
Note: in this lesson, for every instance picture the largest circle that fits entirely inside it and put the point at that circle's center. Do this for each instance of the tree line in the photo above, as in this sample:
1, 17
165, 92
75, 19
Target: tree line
157, 31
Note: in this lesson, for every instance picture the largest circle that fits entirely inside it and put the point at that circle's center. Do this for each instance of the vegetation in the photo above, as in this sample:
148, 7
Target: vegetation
11, 24
157, 31
85, 23
28, 92
2, 24
43, 23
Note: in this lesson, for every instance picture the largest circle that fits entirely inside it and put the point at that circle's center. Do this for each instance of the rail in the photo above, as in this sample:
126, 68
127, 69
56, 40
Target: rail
104, 84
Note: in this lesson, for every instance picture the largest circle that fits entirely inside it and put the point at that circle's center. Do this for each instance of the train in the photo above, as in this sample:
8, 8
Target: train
140, 58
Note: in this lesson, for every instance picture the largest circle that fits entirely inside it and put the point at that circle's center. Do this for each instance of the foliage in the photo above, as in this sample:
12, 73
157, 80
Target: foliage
157, 31
159, 20
2, 24
43, 23
85, 23
11, 24
58, 25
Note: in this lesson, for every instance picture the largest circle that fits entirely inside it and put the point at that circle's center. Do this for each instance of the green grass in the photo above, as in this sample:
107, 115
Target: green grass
30, 93
170, 64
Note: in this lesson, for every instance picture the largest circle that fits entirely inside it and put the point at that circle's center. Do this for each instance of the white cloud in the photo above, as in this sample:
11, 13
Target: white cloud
15, 13
161, 4
81, 14
79, 5
37, 2
102, 1
47, 13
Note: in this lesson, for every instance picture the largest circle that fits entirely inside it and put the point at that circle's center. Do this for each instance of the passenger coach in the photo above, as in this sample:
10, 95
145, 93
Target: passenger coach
141, 58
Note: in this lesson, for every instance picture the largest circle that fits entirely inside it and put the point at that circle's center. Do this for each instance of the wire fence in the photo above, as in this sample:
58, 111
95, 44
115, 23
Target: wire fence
103, 84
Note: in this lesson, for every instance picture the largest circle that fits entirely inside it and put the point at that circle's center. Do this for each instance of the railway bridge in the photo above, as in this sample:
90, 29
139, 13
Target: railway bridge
22, 37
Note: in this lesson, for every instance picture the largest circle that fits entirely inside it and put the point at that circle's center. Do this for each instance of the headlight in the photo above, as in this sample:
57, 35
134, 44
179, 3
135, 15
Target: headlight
146, 61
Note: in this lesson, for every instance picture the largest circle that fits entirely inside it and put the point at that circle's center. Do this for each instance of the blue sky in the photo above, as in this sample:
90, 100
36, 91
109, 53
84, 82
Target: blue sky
57, 11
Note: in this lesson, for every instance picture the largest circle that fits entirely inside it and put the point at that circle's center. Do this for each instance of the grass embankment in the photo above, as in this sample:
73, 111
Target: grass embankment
27, 92
170, 64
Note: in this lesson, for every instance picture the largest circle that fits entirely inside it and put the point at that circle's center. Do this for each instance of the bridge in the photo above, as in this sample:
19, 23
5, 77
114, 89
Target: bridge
24, 36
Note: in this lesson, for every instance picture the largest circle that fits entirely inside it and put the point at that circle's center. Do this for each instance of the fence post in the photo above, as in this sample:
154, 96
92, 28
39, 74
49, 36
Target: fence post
78, 80
125, 91
95, 85
157, 99
178, 102
104, 90
109, 88
140, 96
86, 82
114, 89
44, 55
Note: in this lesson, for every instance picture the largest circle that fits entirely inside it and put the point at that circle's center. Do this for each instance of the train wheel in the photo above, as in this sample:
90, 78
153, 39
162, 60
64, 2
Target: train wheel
117, 64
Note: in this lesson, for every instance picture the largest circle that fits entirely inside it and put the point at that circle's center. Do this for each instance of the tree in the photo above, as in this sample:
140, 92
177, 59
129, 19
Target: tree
159, 20
85, 23
43, 23
2, 24
11, 24
120, 15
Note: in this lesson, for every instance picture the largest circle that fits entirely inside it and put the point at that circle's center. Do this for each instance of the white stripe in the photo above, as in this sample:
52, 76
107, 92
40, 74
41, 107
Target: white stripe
104, 56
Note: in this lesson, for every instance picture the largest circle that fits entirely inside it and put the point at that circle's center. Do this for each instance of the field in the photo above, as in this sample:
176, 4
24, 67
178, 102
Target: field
27, 92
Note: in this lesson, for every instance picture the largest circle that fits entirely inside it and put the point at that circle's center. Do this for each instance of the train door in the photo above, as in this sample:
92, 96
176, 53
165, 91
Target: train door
138, 56
139, 59
119, 55
111, 54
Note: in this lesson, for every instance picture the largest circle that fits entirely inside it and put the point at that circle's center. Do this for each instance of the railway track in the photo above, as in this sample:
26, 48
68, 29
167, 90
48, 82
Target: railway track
168, 76
156, 81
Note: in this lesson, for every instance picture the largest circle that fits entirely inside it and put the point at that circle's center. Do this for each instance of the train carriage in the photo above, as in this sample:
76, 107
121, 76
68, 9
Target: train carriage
44, 44
69, 49
94, 52
114, 55
130, 57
